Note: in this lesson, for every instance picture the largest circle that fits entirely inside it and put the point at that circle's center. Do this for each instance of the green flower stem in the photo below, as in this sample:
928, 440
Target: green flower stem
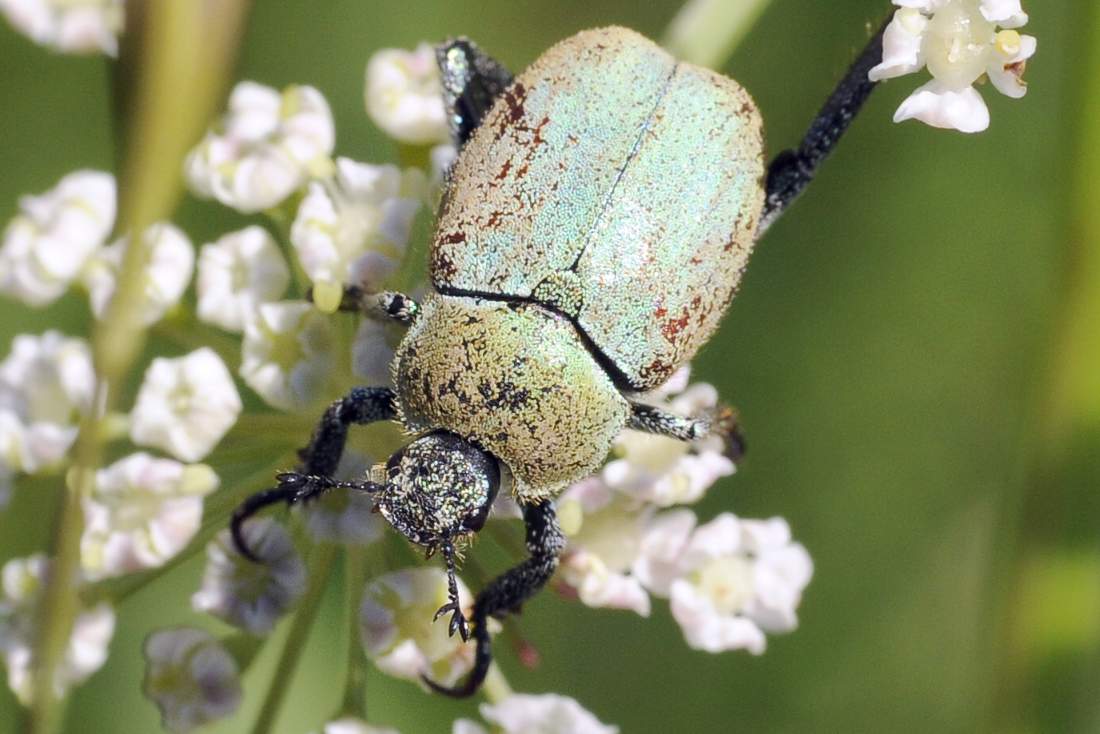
171, 73
355, 686
706, 32
319, 567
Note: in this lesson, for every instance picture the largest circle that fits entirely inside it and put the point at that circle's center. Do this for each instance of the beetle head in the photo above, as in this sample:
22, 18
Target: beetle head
438, 490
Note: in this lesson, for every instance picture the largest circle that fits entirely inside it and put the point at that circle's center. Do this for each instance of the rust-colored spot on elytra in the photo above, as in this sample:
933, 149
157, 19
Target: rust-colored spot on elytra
453, 238
504, 169
513, 98
671, 328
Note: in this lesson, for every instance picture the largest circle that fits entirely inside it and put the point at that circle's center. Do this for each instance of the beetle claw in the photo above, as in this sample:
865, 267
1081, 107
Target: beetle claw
458, 621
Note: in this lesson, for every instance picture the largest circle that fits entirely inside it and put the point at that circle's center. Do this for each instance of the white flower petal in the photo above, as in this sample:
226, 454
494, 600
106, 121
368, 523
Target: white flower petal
901, 44
185, 405
141, 512
548, 713
1005, 13
398, 633
237, 273
934, 105
191, 678
76, 28
246, 594
288, 354
47, 244
404, 95
167, 272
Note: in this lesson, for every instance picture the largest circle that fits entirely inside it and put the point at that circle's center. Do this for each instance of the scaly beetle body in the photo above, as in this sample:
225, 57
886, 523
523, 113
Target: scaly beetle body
592, 232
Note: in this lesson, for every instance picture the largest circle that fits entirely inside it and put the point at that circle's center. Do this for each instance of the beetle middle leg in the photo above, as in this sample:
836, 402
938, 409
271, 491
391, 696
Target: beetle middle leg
792, 170
507, 592
320, 459
384, 305
721, 421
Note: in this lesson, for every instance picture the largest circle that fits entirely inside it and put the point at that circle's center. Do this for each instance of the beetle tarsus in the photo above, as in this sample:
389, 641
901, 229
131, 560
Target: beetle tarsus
510, 590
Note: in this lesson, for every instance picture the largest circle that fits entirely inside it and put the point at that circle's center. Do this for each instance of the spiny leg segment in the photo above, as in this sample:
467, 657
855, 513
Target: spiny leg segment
510, 590
320, 459
720, 421
791, 171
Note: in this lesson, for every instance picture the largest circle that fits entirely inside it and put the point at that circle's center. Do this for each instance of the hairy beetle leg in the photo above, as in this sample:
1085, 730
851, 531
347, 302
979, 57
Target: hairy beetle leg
510, 590
721, 421
319, 459
792, 170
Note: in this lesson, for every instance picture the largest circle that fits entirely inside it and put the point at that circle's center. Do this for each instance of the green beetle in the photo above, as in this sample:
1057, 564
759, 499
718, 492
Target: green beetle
593, 230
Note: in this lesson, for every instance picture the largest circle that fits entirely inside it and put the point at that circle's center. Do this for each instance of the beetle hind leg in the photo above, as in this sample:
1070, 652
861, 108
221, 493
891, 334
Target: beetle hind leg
471, 82
792, 170
720, 421
510, 590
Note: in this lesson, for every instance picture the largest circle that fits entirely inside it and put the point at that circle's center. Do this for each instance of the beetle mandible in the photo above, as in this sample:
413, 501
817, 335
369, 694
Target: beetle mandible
592, 232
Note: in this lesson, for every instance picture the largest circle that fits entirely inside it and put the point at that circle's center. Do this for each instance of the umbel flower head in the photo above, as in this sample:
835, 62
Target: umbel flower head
961, 42
191, 677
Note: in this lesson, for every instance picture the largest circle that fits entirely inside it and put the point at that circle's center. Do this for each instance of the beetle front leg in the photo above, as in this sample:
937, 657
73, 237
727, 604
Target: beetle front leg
320, 459
510, 590
720, 421
792, 170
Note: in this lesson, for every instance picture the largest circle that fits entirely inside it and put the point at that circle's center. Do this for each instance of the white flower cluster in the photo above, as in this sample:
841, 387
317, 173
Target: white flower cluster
88, 26
960, 44
191, 677
20, 616
728, 581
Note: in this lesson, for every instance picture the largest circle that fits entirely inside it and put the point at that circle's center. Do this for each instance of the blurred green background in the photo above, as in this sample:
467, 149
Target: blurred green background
914, 352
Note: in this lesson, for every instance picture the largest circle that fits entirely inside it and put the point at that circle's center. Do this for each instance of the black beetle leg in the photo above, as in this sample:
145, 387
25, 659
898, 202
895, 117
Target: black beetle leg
792, 170
721, 421
319, 459
471, 81
507, 592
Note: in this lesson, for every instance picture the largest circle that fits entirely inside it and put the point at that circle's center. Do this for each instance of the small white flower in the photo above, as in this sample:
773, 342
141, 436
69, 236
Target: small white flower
265, 148
372, 352
86, 651
249, 595
141, 513
353, 229
48, 243
185, 405
170, 260
288, 354
665, 471
397, 629
404, 95
729, 581
599, 556
89, 26
236, 274
352, 725
46, 383
959, 42
344, 516
191, 678
525, 713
